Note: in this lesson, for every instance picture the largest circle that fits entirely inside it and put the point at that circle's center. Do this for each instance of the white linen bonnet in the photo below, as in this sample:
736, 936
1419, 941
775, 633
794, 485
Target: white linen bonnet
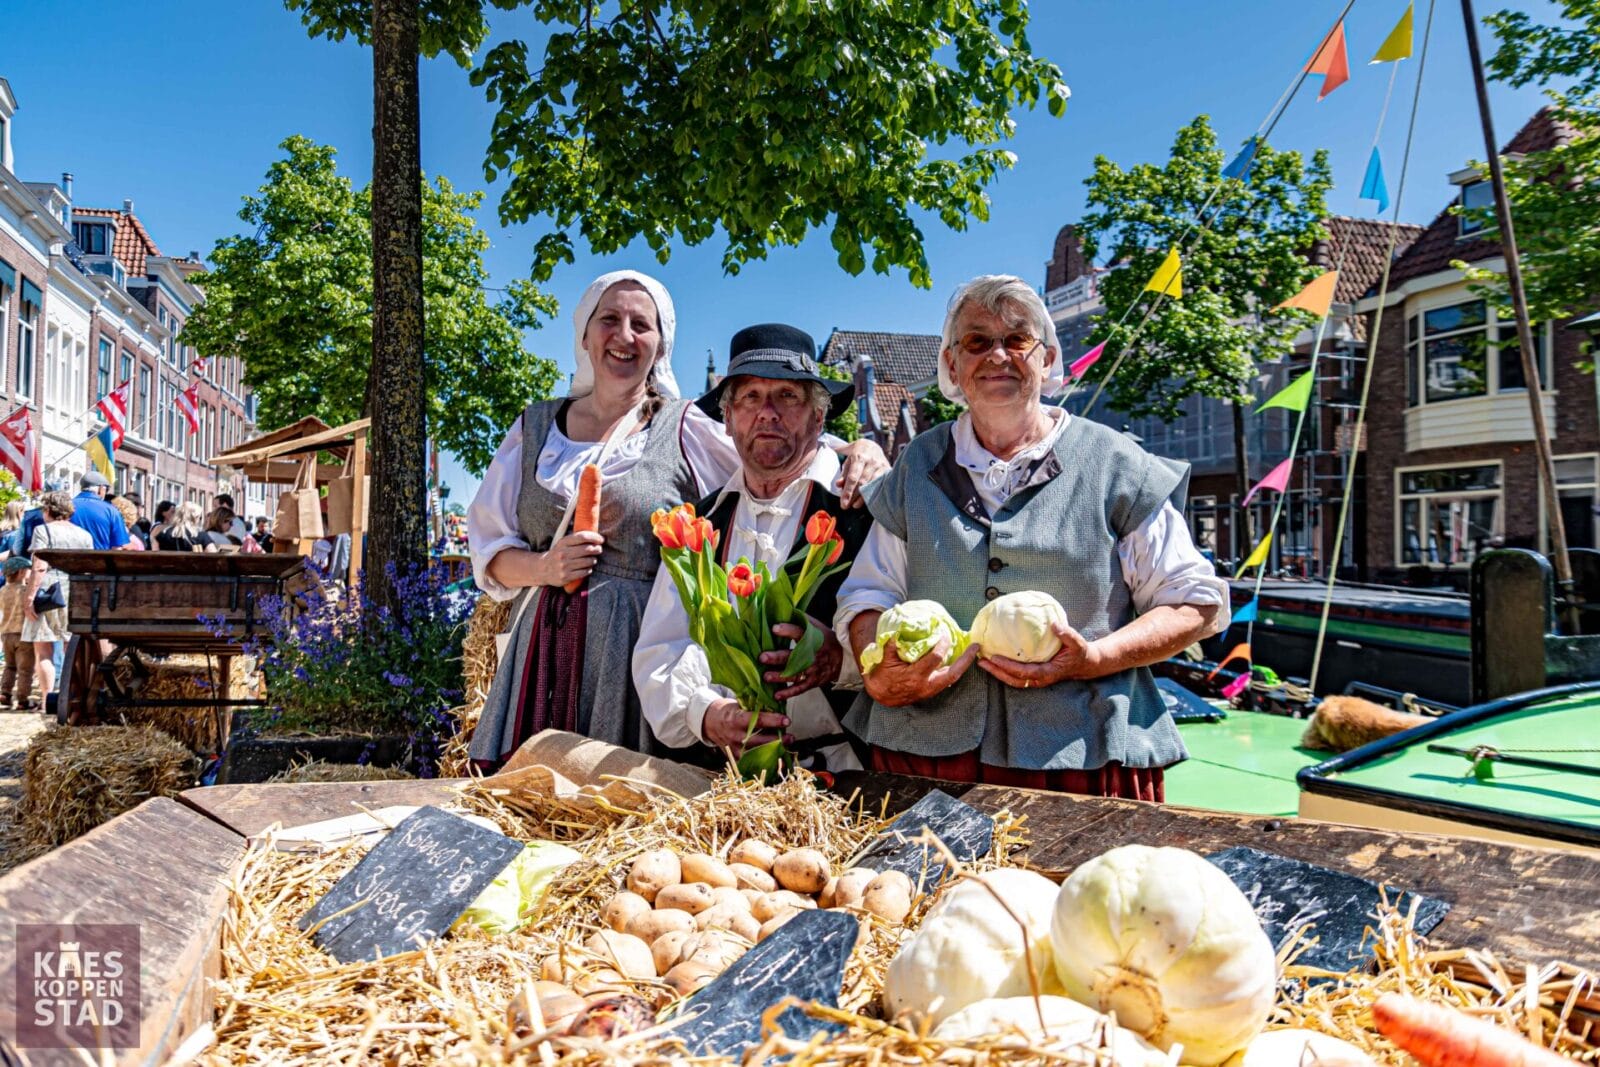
1054, 379
667, 323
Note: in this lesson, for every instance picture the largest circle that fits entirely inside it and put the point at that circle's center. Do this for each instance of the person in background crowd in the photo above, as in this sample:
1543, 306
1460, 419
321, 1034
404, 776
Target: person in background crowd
163, 517
182, 532
236, 527
91, 514
218, 534
45, 629
139, 521
33, 518
263, 533
11, 530
130, 515
16, 684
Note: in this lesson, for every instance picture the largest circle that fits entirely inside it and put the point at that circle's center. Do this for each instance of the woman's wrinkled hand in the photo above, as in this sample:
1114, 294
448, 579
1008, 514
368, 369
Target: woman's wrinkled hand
568, 560
863, 461
894, 683
1078, 660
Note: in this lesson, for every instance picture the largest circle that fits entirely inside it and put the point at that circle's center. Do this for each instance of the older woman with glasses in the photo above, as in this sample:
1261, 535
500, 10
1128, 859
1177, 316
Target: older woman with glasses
1017, 495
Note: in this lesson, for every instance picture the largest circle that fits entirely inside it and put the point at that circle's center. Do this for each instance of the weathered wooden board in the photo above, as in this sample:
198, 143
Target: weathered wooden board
250, 809
1525, 904
161, 867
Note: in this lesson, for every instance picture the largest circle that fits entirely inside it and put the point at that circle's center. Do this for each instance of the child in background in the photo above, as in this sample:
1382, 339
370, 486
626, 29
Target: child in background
19, 653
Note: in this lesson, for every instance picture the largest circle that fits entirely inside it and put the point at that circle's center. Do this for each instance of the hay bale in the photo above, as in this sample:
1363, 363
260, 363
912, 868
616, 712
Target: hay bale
187, 677
319, 771
77, 777
479, 658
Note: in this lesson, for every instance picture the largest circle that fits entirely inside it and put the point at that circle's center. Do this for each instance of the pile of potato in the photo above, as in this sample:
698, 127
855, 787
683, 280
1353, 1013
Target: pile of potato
683, 919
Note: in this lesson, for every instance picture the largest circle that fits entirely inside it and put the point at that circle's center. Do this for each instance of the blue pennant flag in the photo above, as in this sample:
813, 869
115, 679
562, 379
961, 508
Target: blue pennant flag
1373, 187
1240, 167
1246, 613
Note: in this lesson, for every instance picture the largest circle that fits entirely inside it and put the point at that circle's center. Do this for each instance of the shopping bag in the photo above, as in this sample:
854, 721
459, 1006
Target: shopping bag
300, 508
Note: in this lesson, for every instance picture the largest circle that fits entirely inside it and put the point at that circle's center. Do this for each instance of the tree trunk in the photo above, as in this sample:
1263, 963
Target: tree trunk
1241, 459
395, 383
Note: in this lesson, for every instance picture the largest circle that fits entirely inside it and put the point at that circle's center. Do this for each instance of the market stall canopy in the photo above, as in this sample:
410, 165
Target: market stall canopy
270, 458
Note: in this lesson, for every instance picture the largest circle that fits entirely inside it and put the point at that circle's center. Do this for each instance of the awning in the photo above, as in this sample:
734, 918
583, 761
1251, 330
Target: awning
1588, 322
8, 275
31, 294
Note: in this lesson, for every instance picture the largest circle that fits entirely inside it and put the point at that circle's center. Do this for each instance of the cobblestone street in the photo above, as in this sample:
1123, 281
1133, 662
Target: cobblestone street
16, 729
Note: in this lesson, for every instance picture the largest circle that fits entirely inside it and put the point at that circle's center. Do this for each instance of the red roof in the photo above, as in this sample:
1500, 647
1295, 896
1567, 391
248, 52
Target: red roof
1360, 247
1441, 242
133, 242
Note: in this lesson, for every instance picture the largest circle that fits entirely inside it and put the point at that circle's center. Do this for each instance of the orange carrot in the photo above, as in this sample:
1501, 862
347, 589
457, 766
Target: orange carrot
1443, 1037
586, 513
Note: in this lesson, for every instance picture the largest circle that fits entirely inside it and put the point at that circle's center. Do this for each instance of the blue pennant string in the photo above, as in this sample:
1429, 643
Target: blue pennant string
1240, 167
1373, 187
1247, 613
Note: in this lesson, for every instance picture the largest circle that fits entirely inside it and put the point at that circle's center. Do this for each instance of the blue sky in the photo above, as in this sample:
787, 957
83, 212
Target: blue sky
180, 107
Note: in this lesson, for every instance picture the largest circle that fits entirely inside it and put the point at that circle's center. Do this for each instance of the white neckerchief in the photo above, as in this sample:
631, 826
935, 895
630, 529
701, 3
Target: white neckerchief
998, 479
764, 530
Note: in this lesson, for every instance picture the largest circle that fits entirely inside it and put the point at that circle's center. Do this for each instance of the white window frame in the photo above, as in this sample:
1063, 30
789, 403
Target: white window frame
1462, 222
1400, 497
28, 353
1415, 348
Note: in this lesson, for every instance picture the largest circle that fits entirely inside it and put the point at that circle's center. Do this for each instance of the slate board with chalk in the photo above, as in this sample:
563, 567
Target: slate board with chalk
803, 959
967, 832
1290, 894
415, 883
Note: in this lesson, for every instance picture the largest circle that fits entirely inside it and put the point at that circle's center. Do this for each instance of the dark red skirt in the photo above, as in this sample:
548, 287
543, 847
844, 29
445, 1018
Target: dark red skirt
1111, 780
552, 673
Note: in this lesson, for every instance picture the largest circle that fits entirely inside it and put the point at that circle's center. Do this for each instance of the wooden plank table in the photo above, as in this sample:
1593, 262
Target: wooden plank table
1530, 905
247, 810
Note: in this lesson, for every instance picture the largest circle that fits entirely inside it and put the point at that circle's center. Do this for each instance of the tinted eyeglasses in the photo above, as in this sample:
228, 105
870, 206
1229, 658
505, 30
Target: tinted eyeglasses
1017, 343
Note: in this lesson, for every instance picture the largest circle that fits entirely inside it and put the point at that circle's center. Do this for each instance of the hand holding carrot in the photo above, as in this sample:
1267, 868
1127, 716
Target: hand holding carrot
585, 516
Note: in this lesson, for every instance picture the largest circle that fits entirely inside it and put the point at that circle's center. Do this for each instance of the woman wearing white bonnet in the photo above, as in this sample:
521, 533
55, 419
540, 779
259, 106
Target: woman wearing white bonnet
567, 665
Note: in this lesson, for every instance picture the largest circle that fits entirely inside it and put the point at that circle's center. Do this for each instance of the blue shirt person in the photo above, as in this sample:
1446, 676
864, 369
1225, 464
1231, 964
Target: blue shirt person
103, 523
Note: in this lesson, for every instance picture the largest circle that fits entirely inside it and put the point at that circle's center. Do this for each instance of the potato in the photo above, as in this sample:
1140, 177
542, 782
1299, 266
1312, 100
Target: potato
825, 898
557, 1004
773, 923
599, 981
852, 884
755, 852
550, 969
772, 903
664, 950
653, 872
652, 924
627, 953
737, 921
687, 977
753, 895
692, 897
711, 946
621, 909
752, 877
745, 926
803, 870
888, 896
708, 870
722, 895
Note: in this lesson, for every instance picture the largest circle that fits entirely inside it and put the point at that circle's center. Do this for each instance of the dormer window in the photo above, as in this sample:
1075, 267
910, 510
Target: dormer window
92, 238
1474, 196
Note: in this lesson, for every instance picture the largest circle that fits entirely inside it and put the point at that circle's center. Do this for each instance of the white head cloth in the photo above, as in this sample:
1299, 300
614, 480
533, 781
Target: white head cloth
1055, 377
667, 323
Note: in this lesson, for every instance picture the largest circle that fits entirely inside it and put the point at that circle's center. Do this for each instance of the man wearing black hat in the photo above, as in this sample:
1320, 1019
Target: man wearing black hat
775, 404
100, 520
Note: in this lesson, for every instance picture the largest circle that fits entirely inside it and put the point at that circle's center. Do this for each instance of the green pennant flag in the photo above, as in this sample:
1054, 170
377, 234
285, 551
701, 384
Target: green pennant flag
1292, 396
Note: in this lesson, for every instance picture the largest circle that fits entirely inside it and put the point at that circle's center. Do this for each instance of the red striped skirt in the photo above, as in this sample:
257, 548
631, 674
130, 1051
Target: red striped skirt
1111, 780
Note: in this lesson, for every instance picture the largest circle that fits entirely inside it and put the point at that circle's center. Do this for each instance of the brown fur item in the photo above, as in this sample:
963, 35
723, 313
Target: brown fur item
1342, 723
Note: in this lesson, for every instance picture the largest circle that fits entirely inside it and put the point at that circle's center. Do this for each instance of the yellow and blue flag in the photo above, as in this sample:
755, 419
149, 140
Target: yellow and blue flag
101, 450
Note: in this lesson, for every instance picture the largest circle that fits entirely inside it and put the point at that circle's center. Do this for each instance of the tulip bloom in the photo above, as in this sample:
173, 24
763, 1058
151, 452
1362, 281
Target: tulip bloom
821, 528
698, 534
836, 551
743, 580
675, 528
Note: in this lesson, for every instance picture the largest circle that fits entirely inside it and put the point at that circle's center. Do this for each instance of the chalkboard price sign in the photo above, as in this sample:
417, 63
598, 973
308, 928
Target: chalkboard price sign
967, 832
410, 887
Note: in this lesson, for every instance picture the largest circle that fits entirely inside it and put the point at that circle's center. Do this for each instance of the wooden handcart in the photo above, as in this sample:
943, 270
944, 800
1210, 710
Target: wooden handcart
124, 606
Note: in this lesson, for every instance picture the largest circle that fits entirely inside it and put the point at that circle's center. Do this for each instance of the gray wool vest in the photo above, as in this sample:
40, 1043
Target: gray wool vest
1058, 537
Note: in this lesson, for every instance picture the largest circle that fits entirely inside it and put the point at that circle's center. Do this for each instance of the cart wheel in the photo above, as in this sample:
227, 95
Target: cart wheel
77, 702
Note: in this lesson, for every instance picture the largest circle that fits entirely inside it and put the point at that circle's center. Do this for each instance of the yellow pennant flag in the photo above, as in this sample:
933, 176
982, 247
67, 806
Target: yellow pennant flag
1397, 45
1316, 297
1168, 277
1259, 556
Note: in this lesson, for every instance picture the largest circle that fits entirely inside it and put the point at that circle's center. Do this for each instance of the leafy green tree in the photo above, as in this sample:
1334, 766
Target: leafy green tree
933, 408
293, 295
1554, 194
1251, 257
676, 120
847, 427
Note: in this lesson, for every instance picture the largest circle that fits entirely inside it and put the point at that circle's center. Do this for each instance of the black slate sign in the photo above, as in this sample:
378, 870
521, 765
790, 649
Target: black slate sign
410, 887
967, 832
804, 959
1290, 894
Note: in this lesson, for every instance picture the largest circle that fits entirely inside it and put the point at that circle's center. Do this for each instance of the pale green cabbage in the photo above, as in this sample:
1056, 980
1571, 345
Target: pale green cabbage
510, 900
1018, 626
915, 627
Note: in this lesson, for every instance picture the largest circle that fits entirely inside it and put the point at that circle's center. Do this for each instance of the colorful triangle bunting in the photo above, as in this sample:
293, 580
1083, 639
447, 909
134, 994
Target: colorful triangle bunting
1316, 297
1293, 396
1248, 612
1373, 187
1237, 686
1332, 61
1240, 167
1085, 361
1397, 45
1277, 479
1258, 556
1168, 278
1240, 651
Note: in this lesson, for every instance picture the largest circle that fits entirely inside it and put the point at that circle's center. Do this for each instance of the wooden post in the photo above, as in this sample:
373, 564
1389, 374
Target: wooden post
358, 504
1519, 301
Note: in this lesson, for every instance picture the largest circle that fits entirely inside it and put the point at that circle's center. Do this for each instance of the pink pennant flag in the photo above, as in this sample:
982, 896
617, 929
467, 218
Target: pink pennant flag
1278, 479
1087, 360
1237, 686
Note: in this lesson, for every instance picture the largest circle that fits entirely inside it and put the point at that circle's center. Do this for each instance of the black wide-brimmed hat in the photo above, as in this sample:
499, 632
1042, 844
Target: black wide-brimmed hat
773, 350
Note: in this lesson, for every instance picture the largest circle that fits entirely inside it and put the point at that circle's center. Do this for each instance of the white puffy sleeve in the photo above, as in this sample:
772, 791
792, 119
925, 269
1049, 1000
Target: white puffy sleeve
492, 516
1162, 567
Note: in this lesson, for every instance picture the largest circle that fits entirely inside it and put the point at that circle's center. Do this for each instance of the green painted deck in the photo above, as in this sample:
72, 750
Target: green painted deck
1246, 763
1541, 731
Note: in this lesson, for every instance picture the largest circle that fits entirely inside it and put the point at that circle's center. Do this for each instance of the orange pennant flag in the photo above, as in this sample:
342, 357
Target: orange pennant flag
1240, 651
1331, 61
1316, 297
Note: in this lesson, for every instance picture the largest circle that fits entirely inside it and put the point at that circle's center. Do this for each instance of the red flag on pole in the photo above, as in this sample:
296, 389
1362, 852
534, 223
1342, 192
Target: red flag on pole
19, 449
113, 407
188, 403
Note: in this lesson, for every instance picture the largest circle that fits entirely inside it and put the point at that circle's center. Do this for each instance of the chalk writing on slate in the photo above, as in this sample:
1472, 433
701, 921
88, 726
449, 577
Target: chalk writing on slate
410, 887
804, 959
967, 832
1290, 894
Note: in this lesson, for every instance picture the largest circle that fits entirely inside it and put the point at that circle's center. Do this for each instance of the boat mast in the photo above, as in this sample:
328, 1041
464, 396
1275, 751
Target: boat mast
1519, 302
